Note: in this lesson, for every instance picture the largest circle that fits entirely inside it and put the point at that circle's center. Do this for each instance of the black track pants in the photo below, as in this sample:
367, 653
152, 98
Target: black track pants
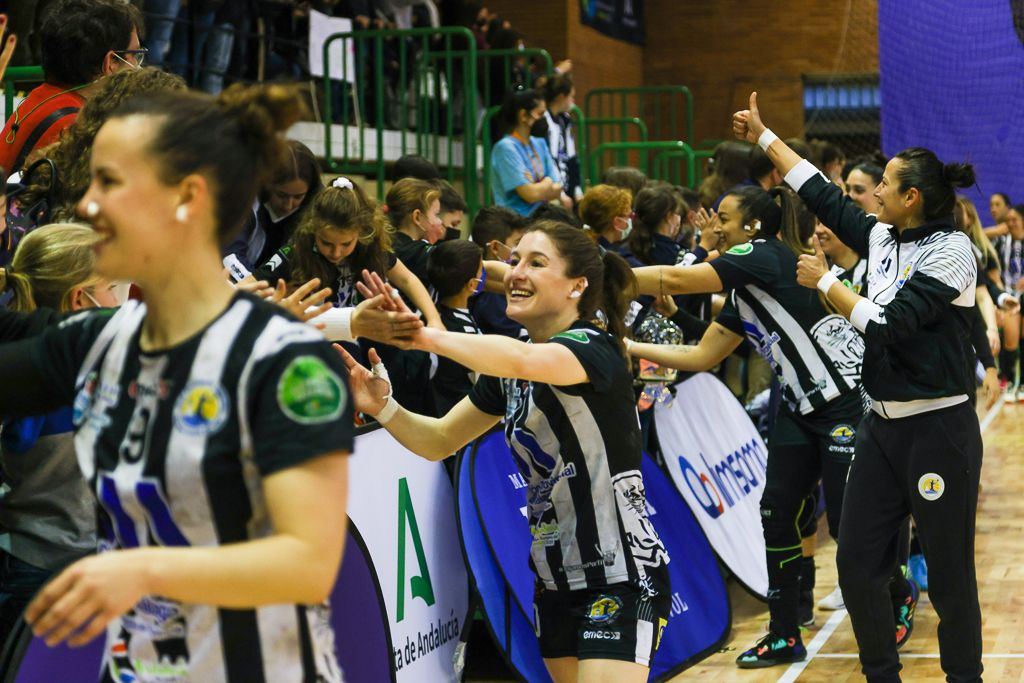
926, 465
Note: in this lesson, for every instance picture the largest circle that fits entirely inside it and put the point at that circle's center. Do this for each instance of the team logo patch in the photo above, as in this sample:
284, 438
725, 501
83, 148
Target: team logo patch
309, 392
741, 249
574, 335
843, 434
931, 486
604, 610
202, 408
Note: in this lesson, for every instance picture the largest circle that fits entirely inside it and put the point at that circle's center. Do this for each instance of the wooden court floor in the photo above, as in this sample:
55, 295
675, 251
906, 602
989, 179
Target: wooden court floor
999, 558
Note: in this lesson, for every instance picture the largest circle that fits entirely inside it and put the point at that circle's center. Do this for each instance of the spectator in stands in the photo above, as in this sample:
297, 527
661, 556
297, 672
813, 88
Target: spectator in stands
10, 235
860, 183
341, 234
607, 211
690, 206
277, 212
762, 170
46, 509
554, 212
82, 41
71, 154
523, 172
202, 38
999, 206
730, 167
560, 96
497, 231
829, 158
1010, 248
453, 210
415, 166
456, 272
658, 213
414, 211
626, 177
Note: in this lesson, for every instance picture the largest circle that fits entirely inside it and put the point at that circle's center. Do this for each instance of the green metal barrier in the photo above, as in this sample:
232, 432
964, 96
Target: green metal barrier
665, 170
649, 103
678, 147
508, 79
435, 67
624, 123
18, 74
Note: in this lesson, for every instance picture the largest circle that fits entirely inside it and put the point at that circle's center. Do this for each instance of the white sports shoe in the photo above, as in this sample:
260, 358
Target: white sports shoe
1012, 395
832, 601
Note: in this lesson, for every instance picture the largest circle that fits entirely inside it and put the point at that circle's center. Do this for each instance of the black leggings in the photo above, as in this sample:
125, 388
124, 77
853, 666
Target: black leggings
927, 465
801, 450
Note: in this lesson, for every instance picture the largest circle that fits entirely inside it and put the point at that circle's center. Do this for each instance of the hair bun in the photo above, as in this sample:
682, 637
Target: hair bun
958, 175
262, 113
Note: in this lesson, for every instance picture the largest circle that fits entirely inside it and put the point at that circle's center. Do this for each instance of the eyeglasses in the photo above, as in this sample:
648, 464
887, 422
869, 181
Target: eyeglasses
139, 56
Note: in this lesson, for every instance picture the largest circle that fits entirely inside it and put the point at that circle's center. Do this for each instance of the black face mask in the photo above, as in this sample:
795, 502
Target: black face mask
540, 128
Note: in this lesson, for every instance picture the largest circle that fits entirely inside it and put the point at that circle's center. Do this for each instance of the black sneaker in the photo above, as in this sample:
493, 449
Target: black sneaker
805, 608
771, 651
905, 614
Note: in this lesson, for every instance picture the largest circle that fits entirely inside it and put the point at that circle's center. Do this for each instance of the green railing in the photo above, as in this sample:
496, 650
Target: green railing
419, 101
623, 123
668, 109
18, 74
665, 170
678, 148
509, 59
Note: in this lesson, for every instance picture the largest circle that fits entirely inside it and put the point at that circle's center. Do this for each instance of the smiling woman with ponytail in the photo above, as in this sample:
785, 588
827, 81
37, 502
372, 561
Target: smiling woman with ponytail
572, 425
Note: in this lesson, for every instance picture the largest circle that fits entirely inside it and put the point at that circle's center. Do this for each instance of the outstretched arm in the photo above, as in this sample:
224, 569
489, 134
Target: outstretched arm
716, 344
701, 278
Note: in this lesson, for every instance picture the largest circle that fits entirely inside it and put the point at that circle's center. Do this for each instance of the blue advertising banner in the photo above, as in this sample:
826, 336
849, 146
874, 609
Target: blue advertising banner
622, 19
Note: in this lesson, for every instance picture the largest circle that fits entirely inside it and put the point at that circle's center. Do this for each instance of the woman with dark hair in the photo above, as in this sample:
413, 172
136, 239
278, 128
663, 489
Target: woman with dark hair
290, 189
918, 450
658, 212
816, 356
523, 172
730, 166
571, 422
560, 96
860, 184
1010, 251
217, 525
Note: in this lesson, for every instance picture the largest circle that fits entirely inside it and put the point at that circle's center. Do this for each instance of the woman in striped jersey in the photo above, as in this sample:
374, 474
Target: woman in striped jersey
570, 419
220, 532
816, 356
919, 448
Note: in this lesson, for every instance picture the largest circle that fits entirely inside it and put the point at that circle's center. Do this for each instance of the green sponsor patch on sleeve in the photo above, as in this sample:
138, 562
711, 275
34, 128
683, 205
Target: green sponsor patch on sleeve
741, 249
574, 335
309, 392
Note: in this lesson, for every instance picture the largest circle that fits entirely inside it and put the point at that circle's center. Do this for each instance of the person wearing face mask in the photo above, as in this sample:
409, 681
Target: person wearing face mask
607, 213
413, 208
46, 511
816, 356
523, 172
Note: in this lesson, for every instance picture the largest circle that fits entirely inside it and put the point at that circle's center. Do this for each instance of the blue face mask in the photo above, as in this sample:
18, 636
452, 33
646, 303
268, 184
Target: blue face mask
480, 283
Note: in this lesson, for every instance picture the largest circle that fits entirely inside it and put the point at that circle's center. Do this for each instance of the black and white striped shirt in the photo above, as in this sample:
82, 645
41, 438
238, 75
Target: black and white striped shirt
578, 449
917, 321
856, 278
175, 444
816, 355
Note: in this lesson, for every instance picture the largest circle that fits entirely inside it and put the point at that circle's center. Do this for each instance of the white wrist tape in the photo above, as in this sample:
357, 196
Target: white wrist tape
826, 281
767, 137
390, 404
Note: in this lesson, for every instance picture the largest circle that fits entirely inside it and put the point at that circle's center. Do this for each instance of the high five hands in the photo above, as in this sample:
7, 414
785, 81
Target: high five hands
746, 123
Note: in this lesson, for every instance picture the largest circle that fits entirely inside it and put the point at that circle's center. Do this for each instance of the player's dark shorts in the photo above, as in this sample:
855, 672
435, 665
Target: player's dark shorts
621, 621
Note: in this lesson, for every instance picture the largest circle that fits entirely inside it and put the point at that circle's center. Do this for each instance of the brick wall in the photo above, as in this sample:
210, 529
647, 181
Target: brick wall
723, 49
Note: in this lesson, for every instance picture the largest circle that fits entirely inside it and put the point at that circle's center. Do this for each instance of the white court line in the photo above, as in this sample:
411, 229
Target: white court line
853, 655
796, 668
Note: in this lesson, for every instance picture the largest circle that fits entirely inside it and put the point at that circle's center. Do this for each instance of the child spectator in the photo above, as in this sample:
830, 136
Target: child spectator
497, 231
453, 210
414, 210
455, 271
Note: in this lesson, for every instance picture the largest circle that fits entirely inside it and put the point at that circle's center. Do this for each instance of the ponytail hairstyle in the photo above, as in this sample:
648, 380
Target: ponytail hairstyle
50, 261
342, 206
602, 204
971, 226
234, 140
516, 101
611, 285
780, 212
407, 195
652, 206
937, 182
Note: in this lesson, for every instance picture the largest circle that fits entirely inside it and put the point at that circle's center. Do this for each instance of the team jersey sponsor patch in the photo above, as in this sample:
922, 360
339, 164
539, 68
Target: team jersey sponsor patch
741, 249
309, 392
202, 408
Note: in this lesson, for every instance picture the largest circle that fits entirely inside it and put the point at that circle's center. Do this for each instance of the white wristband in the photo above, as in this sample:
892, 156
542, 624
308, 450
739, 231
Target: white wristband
767, 137
388, 411
337, 324
826, 281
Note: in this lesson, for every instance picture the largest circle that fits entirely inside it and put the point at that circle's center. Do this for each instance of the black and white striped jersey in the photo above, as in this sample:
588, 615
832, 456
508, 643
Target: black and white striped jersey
816, 354
578, 449
452, 382
175, 444
1011, 261
921, 283
856, 278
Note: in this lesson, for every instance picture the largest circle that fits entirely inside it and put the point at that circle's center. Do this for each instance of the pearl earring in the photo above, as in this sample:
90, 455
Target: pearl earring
92, 209
181, 214
575, 294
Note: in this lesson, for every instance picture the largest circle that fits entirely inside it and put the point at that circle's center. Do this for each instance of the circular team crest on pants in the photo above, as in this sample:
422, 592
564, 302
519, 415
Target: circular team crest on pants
605, 609
931, 486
